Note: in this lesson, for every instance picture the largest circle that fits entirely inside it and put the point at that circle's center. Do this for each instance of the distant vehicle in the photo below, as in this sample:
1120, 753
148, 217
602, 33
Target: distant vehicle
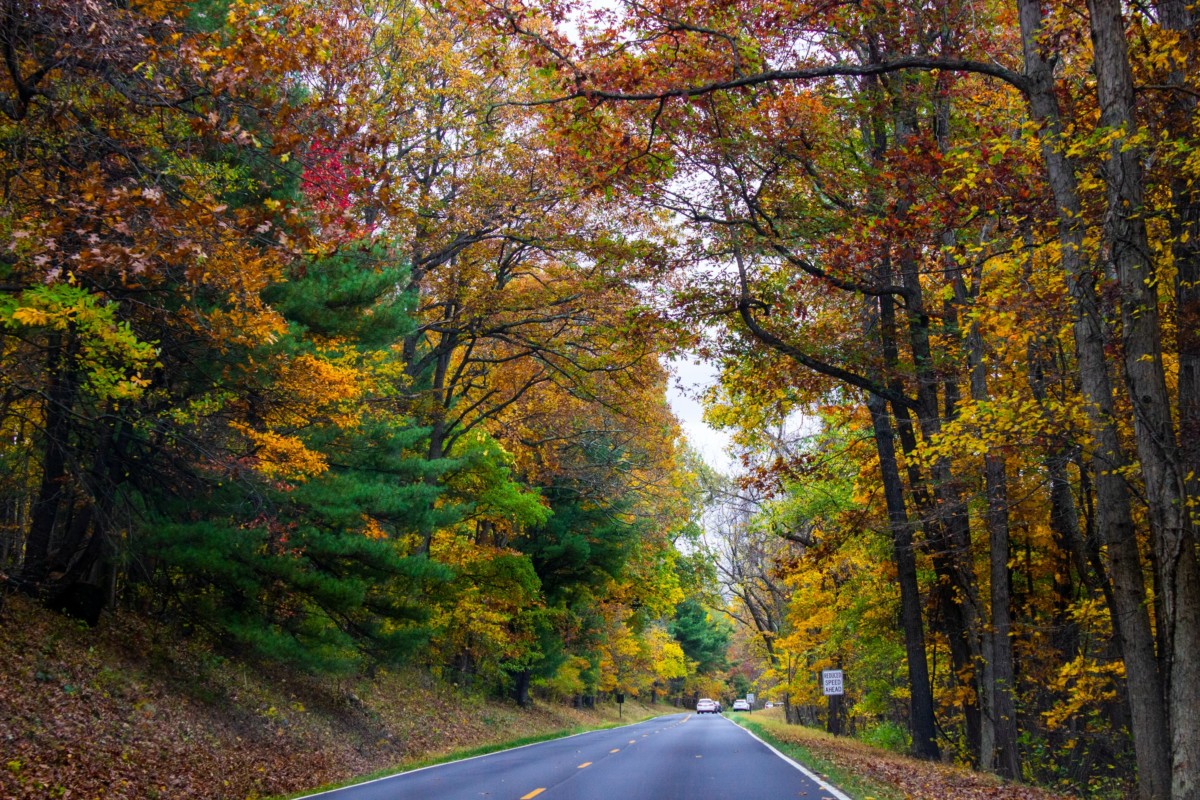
769, 704
706, 706
741, 705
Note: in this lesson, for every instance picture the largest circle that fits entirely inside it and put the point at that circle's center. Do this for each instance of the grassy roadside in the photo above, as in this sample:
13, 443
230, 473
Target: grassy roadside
865, 772
643, 713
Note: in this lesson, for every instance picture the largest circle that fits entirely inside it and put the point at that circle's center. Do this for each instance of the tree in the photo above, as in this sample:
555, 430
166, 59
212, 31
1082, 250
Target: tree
745, 110
702, 637
120, 146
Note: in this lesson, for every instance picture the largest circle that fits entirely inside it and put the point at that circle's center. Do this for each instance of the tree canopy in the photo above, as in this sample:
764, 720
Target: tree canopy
336, 332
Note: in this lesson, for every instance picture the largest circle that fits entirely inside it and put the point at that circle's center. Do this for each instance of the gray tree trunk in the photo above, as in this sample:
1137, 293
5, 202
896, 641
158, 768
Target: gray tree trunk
1113, 517
1154, 429
998, 749
947, 515
1175, 15
921, 719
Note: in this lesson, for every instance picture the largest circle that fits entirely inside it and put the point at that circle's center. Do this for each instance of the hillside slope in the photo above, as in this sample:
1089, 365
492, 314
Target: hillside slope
127, 710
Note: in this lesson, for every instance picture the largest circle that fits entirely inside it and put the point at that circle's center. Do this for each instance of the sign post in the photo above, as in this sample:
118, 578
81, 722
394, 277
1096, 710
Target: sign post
620, 705
750, 700
833, 686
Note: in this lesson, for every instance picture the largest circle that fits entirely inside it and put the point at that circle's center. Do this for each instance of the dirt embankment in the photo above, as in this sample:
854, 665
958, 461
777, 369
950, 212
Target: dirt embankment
127, 710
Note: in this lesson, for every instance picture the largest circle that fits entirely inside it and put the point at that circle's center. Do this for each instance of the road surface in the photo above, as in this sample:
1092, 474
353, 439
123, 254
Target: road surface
678, 757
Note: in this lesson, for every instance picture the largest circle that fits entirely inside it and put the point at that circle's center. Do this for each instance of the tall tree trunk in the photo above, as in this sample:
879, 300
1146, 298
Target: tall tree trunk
955, 620
880, 315
1077, 553
1000, 682
1176, 15
1113, 516
60, 398
1002, 689
1154, 429
939, 501
921, 718
950, 520
922, 722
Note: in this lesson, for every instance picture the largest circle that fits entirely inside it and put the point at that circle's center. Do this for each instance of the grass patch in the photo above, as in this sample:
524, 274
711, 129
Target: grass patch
887, 735
853, 784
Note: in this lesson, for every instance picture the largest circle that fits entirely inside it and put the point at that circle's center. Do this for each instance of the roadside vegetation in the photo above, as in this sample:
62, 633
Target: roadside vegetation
130, 711
868, 772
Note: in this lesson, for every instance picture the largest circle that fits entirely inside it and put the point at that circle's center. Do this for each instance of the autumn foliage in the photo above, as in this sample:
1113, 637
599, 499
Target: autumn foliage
313, 353
958, 238
334, 332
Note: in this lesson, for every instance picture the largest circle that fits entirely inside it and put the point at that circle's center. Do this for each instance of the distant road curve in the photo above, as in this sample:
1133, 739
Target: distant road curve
678, 757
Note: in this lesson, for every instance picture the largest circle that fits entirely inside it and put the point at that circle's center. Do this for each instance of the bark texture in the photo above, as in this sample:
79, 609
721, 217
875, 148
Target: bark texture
922, 723
1154, 429
1113, 516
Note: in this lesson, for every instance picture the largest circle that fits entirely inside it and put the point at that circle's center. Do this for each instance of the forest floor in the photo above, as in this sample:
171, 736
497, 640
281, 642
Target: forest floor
870, 773
131, 710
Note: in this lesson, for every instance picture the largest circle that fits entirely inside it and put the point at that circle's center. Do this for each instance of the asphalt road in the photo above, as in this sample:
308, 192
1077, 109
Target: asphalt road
679, 757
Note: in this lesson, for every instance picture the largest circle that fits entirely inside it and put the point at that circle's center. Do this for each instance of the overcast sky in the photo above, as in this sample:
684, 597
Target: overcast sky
689, 378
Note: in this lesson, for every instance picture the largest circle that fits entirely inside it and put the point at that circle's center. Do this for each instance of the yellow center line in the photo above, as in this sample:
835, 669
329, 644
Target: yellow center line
584, 764
615, 750
533, 794
633, 741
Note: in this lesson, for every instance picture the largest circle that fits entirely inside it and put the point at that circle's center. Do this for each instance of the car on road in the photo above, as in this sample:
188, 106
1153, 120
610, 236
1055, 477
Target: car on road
769, 704
741, 705
706, 706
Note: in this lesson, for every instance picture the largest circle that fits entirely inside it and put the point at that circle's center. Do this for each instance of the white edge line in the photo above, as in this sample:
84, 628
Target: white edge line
350, 786
833, 790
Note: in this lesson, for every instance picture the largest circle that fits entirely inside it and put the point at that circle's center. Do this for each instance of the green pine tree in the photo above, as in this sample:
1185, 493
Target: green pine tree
286, 570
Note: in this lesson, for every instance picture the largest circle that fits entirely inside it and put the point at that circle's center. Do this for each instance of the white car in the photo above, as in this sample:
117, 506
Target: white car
741, 705
706, 706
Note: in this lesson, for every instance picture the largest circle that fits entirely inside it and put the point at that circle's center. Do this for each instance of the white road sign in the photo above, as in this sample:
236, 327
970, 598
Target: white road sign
831, 681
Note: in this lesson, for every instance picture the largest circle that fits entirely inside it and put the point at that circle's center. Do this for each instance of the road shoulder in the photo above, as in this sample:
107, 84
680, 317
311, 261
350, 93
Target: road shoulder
825, 785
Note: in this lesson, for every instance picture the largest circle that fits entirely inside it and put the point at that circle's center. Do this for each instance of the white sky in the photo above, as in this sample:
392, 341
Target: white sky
689, 378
